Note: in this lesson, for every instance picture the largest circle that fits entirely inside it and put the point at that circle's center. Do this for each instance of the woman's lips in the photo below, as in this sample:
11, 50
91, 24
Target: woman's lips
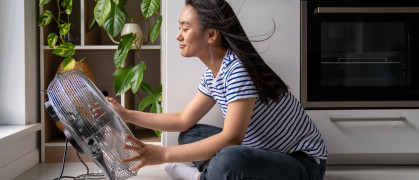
181, 46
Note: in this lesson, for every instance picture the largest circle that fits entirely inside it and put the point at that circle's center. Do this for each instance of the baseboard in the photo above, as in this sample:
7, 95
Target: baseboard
16, 149
374, 159
17, 167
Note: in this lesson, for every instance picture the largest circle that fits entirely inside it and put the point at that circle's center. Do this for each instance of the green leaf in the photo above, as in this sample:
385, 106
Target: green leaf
137, 77
122, 80
42, 2
65, 50
116, 1
68, 63
156, 106
159, 93
123, 47
102, 10
52, 40
147, 88
149, 7
45, 18
145, 102
92, 25
115, 21
122, 3
67, 5
155, 29
158, 133
64, 28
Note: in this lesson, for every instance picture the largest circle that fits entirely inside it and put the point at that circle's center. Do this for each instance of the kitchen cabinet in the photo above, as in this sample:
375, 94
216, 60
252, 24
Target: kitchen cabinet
369, 136
98, 50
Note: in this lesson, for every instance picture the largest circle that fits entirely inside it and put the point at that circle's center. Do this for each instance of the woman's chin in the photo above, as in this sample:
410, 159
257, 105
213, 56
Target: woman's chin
184, 54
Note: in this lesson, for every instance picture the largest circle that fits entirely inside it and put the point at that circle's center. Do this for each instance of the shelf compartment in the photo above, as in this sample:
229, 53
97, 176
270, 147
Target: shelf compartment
110, 47
73, 18
98, 36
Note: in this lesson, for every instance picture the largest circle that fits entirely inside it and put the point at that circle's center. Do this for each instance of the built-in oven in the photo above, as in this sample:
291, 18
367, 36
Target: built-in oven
359, 54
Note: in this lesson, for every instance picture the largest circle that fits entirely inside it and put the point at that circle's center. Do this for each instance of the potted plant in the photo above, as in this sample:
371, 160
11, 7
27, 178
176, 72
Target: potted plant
64, 49
111, 15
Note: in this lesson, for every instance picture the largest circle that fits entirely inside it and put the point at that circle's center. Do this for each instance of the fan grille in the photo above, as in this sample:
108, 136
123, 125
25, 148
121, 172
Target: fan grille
73, 97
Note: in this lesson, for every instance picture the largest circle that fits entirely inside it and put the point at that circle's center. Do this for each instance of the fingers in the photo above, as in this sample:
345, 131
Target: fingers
135, 140
139, 166
111, 100
132, 148
131, 159
134, 159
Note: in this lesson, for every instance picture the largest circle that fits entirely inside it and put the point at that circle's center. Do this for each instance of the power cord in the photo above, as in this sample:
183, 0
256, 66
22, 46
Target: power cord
63, 164
81, 160
80, 177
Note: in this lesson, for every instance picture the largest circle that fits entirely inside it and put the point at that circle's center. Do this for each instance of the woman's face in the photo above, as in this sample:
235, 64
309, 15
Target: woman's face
192, 41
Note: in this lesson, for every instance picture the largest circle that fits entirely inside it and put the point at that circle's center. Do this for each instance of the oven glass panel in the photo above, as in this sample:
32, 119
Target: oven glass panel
364, 54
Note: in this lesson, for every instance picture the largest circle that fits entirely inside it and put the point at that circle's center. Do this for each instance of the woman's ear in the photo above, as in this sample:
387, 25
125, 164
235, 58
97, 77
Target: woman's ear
212, 35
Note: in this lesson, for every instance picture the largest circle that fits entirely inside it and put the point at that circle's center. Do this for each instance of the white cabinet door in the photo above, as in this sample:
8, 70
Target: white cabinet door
369, 132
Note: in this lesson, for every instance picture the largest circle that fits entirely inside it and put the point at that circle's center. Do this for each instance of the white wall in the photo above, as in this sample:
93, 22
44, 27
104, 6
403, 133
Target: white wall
18, 84
181, 75
18, 62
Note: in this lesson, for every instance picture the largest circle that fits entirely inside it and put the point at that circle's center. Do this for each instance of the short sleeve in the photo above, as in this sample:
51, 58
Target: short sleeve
239, 84
203, 87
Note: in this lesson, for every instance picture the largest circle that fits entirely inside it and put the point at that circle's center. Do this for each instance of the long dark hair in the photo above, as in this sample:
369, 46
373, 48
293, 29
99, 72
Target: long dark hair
218, 14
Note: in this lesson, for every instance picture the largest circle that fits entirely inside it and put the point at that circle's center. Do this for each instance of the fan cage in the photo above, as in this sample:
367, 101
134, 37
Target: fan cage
73, 97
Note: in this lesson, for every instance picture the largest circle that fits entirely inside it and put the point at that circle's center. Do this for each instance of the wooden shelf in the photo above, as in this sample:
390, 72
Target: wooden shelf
145, 135
109, 47
98, 50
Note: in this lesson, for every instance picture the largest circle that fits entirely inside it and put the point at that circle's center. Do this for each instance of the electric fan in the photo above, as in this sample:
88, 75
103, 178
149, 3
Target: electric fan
71, 100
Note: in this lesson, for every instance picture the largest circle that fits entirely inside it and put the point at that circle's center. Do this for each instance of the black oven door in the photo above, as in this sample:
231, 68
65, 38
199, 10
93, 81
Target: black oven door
360, 54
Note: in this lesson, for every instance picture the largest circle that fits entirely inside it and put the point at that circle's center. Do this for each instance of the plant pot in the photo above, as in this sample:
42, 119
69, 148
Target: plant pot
85, 69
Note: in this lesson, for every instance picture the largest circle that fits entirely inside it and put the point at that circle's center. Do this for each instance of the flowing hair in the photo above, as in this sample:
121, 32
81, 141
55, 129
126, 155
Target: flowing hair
218, 14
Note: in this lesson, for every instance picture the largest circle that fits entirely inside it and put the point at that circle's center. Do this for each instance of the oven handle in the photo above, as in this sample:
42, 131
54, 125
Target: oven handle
333, 119
341, 10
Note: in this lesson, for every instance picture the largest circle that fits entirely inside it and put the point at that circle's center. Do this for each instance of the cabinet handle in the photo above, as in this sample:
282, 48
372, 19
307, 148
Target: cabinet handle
333, 119
347, 10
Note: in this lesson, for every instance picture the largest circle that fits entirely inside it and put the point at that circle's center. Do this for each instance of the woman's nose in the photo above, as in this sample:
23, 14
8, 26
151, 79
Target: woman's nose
179, 36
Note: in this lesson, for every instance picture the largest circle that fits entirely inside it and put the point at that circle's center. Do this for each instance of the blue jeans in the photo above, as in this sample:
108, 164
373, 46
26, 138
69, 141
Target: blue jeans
244, 162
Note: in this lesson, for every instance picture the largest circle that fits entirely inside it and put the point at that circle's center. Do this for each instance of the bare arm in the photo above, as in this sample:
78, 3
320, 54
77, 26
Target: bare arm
235, 125
180, 122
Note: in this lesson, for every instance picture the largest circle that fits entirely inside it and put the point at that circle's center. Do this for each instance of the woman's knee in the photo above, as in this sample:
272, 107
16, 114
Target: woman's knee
197, 133
187, 136
229, 162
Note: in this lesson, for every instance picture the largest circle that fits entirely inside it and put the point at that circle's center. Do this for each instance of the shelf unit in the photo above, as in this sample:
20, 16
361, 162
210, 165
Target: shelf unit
98, 50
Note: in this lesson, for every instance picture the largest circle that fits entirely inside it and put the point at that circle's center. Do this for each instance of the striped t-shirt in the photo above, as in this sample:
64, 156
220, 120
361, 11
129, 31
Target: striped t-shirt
282, 126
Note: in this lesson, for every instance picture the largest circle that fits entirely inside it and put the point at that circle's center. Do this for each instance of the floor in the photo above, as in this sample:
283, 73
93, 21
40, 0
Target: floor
49, 171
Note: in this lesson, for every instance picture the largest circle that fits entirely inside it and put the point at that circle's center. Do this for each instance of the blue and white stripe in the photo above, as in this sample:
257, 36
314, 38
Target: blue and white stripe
282, 126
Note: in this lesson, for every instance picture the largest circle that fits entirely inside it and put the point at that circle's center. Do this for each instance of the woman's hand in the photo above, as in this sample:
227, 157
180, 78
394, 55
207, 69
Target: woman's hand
118, 107
147, 154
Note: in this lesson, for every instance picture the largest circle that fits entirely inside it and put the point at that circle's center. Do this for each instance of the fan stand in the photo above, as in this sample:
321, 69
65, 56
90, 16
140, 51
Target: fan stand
90, 176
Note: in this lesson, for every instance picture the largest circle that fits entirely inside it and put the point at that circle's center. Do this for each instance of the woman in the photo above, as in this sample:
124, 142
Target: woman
266, 132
